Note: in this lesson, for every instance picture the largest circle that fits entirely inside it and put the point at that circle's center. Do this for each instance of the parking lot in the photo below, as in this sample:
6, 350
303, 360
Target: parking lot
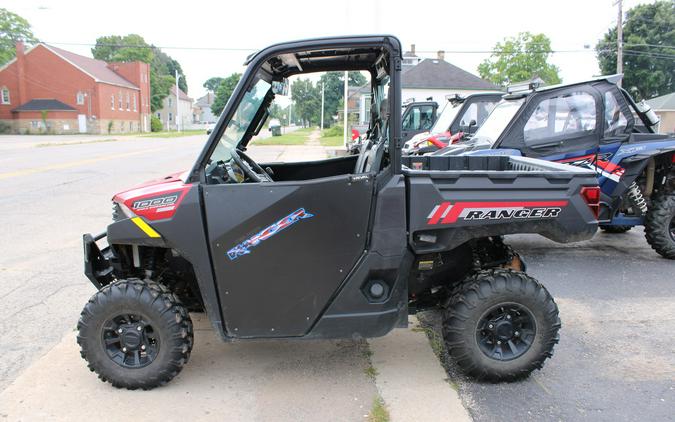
615, 360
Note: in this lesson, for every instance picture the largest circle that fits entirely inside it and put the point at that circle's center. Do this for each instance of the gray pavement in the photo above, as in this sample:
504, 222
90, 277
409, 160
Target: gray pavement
50, 196
616, 357
615, 361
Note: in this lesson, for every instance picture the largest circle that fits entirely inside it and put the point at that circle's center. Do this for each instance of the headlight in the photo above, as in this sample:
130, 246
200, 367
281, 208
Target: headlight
121, 211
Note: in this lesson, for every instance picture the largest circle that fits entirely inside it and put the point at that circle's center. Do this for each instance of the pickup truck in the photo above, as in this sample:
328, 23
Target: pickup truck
345, 247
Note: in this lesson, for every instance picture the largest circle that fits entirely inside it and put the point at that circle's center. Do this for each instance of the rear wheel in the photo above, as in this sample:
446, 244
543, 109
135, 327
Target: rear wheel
660, 225
500, 325
615, 229
135, 334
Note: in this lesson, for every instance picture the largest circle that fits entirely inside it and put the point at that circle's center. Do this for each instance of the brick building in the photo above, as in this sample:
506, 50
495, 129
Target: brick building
48, 89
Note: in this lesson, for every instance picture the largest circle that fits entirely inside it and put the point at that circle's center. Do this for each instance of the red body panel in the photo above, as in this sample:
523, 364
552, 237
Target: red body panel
156, 199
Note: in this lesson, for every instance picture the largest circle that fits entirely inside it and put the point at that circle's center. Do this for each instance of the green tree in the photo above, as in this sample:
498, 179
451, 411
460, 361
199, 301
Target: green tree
306, 101
212, 83
649, 52
334, 91
12, 29
132, 47
518, 59
223, 93
160, 87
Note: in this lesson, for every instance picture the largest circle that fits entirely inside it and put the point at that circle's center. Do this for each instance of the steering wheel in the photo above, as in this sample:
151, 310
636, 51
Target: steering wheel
250, 167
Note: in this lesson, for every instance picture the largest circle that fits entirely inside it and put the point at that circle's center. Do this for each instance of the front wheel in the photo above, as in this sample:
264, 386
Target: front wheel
135, 334
660, 225
500, 325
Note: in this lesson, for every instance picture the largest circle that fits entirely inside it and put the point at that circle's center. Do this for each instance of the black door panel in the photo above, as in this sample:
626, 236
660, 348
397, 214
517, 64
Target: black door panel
281, 250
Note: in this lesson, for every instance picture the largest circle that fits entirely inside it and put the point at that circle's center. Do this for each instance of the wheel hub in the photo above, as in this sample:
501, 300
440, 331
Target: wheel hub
672, 228
130, 341
131, 338
506, 331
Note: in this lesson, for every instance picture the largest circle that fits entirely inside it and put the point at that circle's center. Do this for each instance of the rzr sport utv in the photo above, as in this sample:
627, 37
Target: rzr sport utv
459, 120
338, 248
596, 125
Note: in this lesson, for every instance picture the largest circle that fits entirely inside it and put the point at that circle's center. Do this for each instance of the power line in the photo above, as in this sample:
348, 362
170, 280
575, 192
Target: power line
152, 46
493, 51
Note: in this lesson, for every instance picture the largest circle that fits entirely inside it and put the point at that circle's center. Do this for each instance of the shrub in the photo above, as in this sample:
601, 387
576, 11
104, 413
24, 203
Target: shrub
155, 124
5, 127
336, 130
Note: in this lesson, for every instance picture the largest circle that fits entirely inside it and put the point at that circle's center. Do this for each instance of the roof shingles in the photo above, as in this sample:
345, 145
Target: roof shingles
44, 104
98, 69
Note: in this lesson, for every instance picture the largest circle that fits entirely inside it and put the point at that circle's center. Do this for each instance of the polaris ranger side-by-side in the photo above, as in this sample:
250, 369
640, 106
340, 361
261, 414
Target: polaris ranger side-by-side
596, 125
459, 119
337, 248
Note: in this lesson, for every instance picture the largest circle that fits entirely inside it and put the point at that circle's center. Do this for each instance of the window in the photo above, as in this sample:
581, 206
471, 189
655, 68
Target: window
135, 103
112, 102
119, 96
170, 117
5, 95
159, 115
170, 101
477, 112
568, 115
419, 118
80, 98
615, 119
128, 102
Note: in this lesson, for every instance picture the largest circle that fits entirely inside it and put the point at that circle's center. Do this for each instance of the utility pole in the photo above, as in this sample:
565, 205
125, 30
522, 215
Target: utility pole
177, 103
323, 85
346, 111
619, 40
290, 105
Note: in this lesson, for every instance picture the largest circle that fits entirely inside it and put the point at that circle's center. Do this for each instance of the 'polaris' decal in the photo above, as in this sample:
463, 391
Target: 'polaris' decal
245, 247
447, 213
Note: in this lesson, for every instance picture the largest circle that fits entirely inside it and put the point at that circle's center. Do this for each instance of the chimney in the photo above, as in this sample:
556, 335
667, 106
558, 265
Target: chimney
441, 55
412, 49
21, 71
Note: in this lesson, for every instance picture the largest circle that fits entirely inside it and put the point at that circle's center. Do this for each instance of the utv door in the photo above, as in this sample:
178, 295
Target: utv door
281, 250
560, 126
418, 118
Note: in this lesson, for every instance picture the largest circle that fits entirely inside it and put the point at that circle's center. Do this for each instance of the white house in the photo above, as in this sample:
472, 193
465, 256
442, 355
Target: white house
167, 114
436, 79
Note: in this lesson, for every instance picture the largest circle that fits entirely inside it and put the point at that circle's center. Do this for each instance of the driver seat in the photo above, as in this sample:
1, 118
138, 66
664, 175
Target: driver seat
372, 152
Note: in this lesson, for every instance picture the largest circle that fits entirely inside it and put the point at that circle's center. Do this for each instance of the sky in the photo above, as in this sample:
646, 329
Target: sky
192, 33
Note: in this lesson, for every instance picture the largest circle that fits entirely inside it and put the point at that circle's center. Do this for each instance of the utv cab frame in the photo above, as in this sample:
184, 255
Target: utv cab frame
338, 248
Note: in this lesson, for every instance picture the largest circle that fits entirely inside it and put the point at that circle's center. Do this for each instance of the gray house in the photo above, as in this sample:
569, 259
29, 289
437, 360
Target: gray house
436, 79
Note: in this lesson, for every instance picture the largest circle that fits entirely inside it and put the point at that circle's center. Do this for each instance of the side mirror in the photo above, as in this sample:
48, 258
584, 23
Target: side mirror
472, 123
280, 87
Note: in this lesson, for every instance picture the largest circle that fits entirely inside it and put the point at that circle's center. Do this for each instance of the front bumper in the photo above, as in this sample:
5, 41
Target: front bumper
97, 265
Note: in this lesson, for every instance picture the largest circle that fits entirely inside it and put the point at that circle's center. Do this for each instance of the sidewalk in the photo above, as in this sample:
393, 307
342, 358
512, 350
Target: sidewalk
254, 380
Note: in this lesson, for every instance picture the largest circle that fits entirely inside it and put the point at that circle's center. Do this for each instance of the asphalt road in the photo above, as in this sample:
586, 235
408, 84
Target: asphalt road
615, 361
616, 356
49, 197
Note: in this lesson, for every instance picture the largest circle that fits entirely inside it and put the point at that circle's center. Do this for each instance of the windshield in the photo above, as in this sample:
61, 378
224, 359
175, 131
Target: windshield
497, 120
241, 120
445, 119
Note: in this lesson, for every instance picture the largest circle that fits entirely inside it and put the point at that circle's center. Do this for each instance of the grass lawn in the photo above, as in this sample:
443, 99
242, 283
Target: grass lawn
331, 141
297, 137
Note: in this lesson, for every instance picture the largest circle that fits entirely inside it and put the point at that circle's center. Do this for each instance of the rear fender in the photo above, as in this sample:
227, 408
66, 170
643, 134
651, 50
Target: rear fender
634, 159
